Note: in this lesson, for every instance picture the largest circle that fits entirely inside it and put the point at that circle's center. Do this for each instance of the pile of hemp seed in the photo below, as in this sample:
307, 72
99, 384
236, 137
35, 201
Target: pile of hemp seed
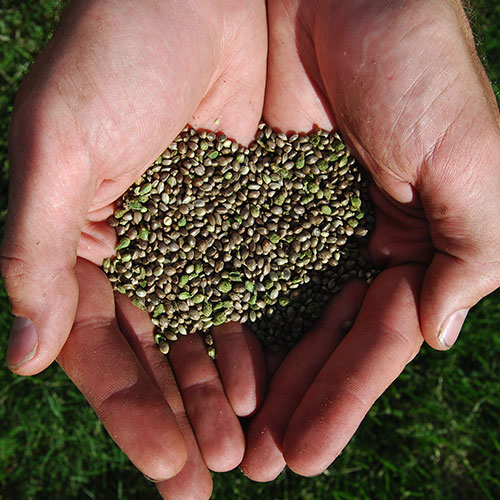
264, 235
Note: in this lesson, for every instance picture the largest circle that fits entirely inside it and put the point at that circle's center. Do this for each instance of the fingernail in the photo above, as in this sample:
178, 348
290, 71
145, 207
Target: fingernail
23, 342
153, 480
450, 329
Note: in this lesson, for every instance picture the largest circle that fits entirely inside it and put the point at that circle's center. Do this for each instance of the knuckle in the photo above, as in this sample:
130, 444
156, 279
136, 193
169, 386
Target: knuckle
14, 270
16, 274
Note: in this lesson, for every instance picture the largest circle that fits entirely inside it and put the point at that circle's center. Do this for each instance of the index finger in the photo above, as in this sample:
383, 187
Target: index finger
102, 365
263, 459
384, 339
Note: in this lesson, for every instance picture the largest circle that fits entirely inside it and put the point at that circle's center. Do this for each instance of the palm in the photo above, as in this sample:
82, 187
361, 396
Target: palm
143, 92
390, 81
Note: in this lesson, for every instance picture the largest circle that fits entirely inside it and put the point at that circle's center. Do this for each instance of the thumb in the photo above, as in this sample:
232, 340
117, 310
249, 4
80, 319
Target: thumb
463, 209
48, 200
451, 287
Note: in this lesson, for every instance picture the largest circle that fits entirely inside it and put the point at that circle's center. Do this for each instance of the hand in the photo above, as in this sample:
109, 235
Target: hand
173, 420
403, 84
110, 92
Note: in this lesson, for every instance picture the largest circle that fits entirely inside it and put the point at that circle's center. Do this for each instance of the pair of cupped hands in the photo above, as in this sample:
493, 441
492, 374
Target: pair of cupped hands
400, 80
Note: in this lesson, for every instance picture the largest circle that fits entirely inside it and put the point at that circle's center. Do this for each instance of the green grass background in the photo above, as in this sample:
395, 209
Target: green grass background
433, 435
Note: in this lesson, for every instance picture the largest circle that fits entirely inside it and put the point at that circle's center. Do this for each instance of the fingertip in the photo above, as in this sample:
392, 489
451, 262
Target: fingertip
226, 463
307, 454
36, 342
197, 489
450, 329
308, 451
450, 288
305, 457
217, 429
194, 481
241, 365
226, 453
304, 469
136, 416
262, 470
263, 476
263, 460
158, 471
43, 303
173, 460
23, 343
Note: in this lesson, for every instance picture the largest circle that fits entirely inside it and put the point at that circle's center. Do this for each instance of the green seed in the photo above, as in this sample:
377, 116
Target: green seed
314, 140
300, 162
343, 162
183, 280
123, 243
313, 188
134, 204
125, 258
207, 309
225, 286
120, 213
220, 318
159, 338
159, 309
284, 301
255, 211
225, 304
323, 165
198, 299
274, 238
355, 202
138, 303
